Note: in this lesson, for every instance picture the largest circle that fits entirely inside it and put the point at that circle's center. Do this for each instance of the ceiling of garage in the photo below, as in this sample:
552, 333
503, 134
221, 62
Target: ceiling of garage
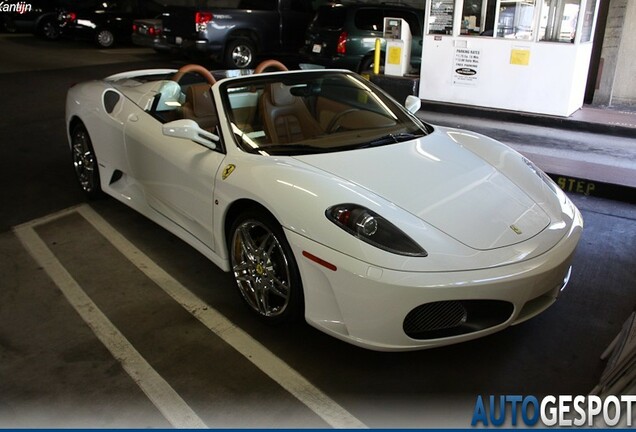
229, 3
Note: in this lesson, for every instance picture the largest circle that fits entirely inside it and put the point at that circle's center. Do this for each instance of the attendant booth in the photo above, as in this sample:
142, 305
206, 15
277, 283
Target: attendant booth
519, 55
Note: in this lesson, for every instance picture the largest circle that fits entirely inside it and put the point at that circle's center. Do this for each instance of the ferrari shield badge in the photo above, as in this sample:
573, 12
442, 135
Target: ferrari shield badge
228, 170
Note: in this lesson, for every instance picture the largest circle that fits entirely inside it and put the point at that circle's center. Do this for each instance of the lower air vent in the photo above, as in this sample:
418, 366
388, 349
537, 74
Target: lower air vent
455, 317
117, 175
435, 316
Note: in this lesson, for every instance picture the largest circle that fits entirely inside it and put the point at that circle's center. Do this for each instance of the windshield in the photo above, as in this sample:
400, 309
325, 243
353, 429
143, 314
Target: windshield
314, 112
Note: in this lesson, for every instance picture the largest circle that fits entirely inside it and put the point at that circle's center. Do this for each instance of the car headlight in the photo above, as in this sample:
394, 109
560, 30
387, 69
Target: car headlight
547, 180
372, 228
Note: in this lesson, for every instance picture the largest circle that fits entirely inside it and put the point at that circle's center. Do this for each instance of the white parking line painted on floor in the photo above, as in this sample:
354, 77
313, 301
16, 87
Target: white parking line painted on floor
160, 393
288, 378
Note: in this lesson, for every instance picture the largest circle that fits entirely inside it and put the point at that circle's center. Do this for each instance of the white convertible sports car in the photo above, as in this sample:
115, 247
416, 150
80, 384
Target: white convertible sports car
328, 200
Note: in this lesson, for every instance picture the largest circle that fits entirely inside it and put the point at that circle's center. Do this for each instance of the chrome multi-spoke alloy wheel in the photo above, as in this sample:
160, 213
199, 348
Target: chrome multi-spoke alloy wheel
242, 56
261, 268
85, 162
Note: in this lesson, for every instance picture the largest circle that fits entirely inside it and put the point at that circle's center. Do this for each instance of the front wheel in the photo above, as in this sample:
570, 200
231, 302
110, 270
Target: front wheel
7, 25
265, 269
240, 54
367, 63
49, 30
85, 162
105, 38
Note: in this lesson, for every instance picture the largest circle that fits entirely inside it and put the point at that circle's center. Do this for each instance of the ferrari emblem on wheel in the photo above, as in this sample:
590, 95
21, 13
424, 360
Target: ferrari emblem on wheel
228, 170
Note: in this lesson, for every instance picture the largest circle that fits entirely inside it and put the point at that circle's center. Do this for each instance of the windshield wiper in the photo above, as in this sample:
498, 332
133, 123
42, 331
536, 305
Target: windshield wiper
392, 139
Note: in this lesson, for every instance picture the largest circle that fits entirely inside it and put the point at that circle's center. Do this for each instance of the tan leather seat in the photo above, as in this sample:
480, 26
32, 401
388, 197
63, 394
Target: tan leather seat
286, 117
200, 107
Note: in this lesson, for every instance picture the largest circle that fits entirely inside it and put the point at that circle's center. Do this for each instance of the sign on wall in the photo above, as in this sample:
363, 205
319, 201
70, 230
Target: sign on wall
466, 66
441, 17
520, 56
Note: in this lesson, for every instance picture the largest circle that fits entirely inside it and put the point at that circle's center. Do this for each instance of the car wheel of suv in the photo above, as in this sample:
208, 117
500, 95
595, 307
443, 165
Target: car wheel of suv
105, 38
366, 65
49, 30
240, 54
7, 25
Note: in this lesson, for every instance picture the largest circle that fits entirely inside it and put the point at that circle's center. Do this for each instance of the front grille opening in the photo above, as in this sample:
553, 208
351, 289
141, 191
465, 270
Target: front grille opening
455, 317
534, 307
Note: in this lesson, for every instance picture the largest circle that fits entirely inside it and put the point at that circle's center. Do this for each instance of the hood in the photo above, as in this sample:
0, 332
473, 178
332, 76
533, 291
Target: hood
445, 185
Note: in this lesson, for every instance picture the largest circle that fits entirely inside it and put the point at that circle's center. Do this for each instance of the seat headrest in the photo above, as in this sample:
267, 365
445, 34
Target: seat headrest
280, 94
170, 96
200, 97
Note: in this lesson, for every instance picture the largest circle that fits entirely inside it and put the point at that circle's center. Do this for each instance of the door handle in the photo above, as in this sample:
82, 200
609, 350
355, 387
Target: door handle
133, 118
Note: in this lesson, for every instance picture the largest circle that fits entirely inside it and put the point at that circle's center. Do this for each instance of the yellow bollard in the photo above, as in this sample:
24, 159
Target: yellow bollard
376, 57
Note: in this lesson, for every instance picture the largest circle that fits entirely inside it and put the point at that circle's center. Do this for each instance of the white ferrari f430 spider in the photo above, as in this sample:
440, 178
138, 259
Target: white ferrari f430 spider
330, 202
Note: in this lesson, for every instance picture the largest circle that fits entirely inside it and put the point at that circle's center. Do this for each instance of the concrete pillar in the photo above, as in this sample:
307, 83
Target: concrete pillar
624, 93
614, 31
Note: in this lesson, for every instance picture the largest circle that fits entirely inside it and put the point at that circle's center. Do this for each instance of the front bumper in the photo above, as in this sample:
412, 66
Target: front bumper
195, 46
74, 30
368, 306
145, 41
157, 43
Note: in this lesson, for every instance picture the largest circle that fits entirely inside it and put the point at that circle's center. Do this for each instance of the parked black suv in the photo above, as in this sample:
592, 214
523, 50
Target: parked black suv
108, 22
342, 35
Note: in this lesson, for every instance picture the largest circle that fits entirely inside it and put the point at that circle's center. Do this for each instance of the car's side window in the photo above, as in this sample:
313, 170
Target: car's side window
168, 102
152, 8
330, 18
302, 6
246, 115
369, 19
270, 5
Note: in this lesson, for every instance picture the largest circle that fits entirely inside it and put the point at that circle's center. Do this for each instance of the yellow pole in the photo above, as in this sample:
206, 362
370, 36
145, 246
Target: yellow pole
376, 57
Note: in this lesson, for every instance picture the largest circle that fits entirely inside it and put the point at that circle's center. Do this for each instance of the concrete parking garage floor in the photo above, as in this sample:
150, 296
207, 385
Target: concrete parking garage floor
55, 371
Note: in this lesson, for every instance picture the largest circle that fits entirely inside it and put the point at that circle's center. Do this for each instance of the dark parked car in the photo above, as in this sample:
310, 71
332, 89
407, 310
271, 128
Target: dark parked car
109, 22
148, 32
36, 16
342, 35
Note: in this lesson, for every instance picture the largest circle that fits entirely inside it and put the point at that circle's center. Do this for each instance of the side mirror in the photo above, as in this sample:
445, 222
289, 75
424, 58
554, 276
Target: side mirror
412, 104
189, 129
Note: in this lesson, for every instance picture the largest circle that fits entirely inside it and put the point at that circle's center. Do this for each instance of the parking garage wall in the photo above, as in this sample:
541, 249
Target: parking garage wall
624, 90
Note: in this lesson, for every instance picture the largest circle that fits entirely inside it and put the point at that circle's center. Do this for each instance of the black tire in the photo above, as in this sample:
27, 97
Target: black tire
366, 65
7, 25
240, 54
49, 29
264, 268
85, 162
104, 38
163, 52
